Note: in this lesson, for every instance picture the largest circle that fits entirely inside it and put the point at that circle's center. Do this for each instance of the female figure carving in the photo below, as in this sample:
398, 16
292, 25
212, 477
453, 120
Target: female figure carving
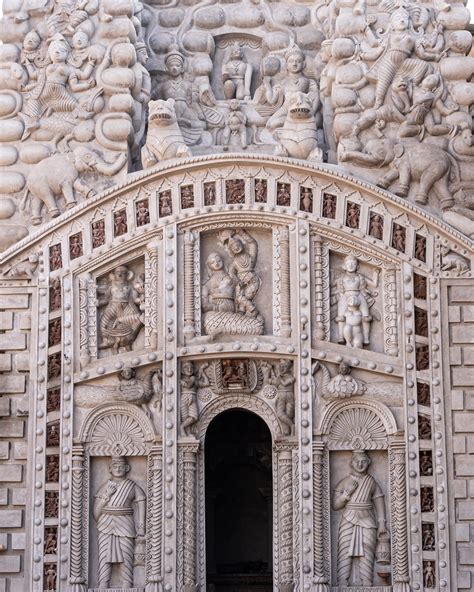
49, 92
121, 319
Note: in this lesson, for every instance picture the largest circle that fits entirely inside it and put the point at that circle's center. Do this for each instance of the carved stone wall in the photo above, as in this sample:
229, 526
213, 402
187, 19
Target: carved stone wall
236, 204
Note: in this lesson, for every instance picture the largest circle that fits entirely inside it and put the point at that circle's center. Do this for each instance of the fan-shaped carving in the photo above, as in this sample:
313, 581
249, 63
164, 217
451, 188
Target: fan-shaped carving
117, 431
119, 434
357, 428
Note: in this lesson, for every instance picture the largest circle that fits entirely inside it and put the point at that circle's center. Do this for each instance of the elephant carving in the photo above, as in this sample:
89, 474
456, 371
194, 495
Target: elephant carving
428, 164
59, 176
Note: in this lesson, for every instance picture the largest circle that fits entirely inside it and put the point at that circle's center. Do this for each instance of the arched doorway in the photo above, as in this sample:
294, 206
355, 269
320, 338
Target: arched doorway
238, 461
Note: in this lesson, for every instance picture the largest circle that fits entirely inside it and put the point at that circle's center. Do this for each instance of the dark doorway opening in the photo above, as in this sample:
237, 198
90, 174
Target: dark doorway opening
239, 503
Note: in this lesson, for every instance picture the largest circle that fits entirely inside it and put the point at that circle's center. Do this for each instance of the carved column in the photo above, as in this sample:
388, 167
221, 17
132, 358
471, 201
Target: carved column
285, 303
189, 331
400, 567
78, 577
285, 518
319, 527
391, 310
151, 296
85, 354
189, 516
321, 290
155, 520
92, 316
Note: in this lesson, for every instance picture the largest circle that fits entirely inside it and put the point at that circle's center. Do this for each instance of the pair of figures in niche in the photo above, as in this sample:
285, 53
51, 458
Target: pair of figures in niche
353, 300
228, 294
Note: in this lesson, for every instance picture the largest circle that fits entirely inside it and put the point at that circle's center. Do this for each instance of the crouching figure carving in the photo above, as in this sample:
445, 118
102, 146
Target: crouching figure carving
119, 511
363, 535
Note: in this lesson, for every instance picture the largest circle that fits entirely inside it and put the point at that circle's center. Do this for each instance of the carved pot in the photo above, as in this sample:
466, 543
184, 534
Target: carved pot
198, 41
172, 17
246, 17
382, 551
34, 153
11, 182
7, 208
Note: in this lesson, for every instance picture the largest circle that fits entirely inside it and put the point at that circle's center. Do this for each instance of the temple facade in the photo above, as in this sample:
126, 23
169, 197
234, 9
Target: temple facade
236, 296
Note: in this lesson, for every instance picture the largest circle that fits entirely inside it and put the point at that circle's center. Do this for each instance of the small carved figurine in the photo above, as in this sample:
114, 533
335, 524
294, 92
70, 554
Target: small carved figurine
52, 469
54, 366
188, 395
341, 386
235, 130
260, 191
165, 204
142, 212
187, 197
55, 258
236, 75
420, 248
428, 536
51, 504
329, 205
75, 246
283, 194
26, 268
54, 335
51, 541
119, 510
98, 233
235, 191
363, 522
120, 223
398, 238
55, 295
281, 376
428, 574
50, 576
376, 226
306, 199
52, 434
352, 215
209, 194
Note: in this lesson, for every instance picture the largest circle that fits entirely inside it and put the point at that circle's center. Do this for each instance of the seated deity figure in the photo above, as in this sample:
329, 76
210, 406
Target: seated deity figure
354, 300
362, 525
188, 111
236, 75
294, 82
121, 319
119, 510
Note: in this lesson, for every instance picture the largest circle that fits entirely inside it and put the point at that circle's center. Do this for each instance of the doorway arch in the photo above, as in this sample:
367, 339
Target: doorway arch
239, 503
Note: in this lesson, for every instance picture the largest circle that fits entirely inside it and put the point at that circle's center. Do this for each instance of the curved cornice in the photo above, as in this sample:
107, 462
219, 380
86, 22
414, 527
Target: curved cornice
329, 173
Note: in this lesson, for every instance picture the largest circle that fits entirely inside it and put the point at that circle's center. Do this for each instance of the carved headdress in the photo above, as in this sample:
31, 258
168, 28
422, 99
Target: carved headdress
293, 49
174, 55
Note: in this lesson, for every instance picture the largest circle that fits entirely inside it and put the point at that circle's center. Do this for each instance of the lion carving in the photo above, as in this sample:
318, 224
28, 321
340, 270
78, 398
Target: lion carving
164, 139
298, 136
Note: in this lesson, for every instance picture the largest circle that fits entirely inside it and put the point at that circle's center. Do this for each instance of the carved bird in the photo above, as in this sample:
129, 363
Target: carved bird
144, 391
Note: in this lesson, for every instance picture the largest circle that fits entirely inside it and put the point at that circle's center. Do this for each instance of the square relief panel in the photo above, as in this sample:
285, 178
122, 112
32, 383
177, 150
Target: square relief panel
236, 283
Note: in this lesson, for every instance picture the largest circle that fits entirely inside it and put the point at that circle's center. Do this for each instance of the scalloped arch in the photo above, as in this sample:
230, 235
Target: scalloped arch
247, 402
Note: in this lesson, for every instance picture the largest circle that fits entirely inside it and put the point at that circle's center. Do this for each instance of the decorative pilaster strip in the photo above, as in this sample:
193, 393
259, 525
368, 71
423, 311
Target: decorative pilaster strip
78, 577
189, 296
390, 306
321, 289
189, 515
400, 561
276, 264
285, 519
319, 531
285, 327
85, 356
154, 521
197, 285
92, 317
151, 296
